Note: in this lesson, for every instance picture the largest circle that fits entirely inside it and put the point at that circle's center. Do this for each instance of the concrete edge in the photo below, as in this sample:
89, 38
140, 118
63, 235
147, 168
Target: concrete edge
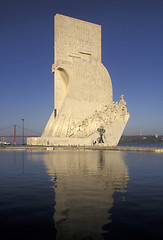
77, 148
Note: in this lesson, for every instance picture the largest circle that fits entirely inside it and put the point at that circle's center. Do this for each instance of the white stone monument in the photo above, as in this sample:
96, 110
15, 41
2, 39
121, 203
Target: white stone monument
84, 112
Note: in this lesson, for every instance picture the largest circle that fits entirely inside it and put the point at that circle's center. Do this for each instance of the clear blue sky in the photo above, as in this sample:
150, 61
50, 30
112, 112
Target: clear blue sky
132, 51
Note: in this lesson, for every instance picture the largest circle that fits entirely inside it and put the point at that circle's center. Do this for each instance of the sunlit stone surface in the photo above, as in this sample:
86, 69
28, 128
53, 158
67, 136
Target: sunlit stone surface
83, 90
84, 184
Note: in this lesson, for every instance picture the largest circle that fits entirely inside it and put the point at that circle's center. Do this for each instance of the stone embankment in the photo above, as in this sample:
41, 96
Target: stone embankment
97, 147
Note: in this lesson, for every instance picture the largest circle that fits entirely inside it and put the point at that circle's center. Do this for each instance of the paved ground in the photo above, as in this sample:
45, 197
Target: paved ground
97, 147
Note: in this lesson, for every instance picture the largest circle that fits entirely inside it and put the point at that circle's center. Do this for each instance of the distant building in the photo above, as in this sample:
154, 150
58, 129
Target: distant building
140, 132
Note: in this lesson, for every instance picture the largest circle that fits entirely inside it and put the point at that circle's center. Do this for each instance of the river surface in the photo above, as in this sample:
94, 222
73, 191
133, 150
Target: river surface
81, 195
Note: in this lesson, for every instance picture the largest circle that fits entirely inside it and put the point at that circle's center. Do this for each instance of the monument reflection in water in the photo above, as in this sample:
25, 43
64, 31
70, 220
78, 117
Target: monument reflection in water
84, 184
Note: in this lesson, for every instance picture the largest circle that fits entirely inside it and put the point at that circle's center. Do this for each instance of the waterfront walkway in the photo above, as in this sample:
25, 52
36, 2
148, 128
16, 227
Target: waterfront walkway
97, 147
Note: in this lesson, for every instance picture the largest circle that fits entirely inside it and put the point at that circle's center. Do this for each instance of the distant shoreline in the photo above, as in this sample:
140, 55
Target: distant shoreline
78, 148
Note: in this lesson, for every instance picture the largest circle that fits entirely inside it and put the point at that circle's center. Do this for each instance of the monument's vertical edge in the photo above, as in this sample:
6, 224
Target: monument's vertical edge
85, 111
53, 70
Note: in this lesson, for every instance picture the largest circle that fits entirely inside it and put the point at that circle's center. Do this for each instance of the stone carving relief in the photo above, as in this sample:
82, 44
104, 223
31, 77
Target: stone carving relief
107, 115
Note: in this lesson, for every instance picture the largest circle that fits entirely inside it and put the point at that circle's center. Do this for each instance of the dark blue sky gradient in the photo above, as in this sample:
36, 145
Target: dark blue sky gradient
132, 51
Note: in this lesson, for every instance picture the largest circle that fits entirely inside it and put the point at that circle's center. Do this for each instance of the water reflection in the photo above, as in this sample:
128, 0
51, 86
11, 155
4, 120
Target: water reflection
84, 184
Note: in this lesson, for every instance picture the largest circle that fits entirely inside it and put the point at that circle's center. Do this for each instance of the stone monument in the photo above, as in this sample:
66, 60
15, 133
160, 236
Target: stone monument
84, 112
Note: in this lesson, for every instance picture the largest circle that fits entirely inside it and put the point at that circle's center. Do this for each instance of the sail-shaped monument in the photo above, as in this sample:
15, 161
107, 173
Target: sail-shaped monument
84, 112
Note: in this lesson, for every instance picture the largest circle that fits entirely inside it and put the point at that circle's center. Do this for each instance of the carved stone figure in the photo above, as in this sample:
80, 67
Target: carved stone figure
101, 131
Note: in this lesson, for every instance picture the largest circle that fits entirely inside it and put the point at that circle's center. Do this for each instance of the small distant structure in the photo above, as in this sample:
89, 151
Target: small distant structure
4, 143
140, 132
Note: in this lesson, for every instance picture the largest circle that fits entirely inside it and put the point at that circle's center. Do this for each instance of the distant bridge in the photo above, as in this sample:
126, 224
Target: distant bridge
17, 136
15, 132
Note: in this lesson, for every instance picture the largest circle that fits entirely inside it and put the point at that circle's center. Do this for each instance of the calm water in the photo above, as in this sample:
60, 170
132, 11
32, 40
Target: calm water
81, 195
